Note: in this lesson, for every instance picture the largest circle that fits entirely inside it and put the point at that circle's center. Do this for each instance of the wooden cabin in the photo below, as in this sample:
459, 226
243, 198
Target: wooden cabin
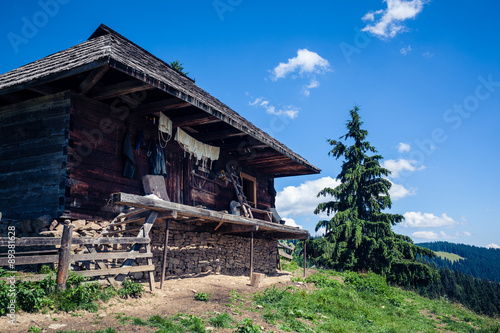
90, 121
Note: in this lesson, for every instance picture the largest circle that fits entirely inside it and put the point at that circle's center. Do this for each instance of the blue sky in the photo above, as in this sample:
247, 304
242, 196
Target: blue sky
426, 75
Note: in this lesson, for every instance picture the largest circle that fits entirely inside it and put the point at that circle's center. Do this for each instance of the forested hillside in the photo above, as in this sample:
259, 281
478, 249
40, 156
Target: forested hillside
479, 262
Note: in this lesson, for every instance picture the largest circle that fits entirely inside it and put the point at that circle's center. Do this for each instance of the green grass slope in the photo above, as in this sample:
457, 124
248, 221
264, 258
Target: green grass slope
450, 256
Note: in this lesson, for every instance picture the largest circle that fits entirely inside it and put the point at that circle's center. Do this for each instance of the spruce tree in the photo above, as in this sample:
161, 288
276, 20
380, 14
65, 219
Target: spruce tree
359, 236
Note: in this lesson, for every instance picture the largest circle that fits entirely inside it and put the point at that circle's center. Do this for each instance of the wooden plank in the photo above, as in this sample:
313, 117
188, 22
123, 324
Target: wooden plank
98, 272
119, 270
52, 241
114, 224
285, 255
114, 232
103, 266
31, 260
144, 232
209, 215
64, 258
108, 255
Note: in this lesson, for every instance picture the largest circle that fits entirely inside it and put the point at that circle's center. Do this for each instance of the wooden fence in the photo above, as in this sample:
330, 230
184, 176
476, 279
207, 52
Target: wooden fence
61, 254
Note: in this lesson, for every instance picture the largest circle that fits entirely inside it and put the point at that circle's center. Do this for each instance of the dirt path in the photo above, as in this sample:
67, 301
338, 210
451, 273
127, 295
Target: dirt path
177, 296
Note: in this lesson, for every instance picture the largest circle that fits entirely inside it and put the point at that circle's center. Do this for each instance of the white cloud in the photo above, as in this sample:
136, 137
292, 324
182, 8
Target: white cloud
391, 19
467, 233
302, 200
305, 62
397, 166
398, 191
403, 147
428, 55
291, 223
405, 50
438, 235
289, 111
493, 246
321, 232
313, 84
427, 220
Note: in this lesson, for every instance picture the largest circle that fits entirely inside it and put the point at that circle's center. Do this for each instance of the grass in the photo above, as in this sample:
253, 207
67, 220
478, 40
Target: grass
450, 256
364, 303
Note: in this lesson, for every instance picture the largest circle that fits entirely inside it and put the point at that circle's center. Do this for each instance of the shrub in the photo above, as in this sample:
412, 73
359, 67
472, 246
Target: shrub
202, 296
131, 289
222, 320
247, 326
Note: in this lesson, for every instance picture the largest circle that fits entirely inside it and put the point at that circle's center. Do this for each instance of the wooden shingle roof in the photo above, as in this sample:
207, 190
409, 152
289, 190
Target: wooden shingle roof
107, 47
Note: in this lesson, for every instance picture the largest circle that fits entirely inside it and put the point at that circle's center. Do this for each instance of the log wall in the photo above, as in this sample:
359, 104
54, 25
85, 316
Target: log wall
33, 154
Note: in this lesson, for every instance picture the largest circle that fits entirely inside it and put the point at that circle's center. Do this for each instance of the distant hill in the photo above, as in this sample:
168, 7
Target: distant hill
479, 262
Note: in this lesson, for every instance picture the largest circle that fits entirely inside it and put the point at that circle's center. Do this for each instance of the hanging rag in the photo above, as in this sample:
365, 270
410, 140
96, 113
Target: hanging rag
128, 153
201, 151
157, 159
164, 130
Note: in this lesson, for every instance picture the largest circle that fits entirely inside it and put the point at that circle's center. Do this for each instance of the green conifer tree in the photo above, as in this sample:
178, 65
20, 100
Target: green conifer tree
359, 235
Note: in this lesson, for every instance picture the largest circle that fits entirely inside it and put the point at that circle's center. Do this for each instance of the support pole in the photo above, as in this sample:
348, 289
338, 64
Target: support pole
64, 258
251, 254
305, 255
165, 251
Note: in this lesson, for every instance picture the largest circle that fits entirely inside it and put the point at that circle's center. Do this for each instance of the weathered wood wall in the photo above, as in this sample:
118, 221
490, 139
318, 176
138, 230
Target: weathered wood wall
62, 155
33, 153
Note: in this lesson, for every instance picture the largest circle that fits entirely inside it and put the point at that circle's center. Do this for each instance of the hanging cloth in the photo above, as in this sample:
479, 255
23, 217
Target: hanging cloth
198, 149
128, 154
156, 156
164, 130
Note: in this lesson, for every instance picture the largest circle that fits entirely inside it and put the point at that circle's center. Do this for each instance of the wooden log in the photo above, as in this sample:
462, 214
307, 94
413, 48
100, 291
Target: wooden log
64, 257
165, 252
257, 279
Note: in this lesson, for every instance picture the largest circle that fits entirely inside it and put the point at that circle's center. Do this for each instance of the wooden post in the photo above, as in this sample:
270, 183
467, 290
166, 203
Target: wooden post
165, 251
251, 254
305, 254
64, 257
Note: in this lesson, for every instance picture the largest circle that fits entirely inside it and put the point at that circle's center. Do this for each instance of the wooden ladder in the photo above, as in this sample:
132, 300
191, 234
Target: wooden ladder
238, 188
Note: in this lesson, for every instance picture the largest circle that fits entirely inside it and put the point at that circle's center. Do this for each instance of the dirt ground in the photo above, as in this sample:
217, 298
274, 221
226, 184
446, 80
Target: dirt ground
177, 296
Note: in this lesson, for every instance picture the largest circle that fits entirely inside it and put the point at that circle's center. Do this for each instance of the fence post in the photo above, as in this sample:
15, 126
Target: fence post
64, 257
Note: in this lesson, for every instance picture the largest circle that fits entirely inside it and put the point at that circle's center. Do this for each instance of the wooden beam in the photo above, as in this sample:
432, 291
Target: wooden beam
94, 76
284, 254
194, 120
164, 105
119, 89
108, 256
209, 215
285, 246
44, 89
213, 136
